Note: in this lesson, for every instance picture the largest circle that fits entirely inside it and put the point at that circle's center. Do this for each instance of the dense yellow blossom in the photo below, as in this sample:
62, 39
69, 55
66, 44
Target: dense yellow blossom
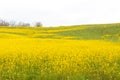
54, 59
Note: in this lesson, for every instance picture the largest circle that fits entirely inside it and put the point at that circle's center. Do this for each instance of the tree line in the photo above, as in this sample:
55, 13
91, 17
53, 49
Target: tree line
20, 24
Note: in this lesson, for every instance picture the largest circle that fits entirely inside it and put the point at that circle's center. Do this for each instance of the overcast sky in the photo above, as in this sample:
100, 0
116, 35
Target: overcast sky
61, 12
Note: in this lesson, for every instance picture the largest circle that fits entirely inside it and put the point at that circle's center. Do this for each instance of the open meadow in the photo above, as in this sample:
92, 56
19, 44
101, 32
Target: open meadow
88, 52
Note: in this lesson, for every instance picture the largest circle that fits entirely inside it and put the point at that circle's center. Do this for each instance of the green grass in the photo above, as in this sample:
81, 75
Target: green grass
109, 32
94, 33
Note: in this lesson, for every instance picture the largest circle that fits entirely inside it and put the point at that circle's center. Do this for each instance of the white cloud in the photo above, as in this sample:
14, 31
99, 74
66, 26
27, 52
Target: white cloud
61, 12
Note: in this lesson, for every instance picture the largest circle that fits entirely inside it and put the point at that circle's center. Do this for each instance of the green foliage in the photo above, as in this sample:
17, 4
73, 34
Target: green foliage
103, 32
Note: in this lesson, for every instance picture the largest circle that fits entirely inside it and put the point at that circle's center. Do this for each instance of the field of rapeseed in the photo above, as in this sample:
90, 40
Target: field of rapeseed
47, 54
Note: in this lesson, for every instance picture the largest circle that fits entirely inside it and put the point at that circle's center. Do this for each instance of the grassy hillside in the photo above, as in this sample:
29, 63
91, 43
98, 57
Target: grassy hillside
60, 53
88, 32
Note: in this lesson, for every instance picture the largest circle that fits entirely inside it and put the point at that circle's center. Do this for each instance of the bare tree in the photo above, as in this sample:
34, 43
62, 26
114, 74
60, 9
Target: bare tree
4, 23
22, 24
38, 24
19, 24
27, 24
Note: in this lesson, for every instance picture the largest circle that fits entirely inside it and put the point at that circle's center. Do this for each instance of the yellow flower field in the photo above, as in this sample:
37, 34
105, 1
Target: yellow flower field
59, 59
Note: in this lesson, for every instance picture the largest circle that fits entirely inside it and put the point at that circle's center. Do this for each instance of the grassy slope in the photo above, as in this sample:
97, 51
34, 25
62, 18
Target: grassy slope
38, 59
97, 31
